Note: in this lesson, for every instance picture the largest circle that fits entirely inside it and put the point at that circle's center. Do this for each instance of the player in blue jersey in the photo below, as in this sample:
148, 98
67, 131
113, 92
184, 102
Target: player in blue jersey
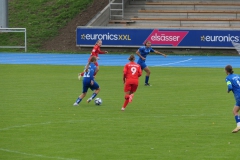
142, 52
89, 82
233, 84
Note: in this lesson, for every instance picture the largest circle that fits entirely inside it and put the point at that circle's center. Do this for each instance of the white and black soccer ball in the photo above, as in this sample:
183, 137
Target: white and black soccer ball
98, 101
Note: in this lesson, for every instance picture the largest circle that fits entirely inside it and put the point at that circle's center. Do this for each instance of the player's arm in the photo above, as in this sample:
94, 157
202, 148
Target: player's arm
124, 74
102, 52
124, 78
138, 53
229, 85
87, 66
159, 53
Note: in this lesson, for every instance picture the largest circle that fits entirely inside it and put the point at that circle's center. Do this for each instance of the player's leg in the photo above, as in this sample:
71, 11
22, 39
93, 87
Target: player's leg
131, 96
93, 95
127, 95
79, 99
84, 92
133, 90
148, 72
236, 109
127, 89
96, 89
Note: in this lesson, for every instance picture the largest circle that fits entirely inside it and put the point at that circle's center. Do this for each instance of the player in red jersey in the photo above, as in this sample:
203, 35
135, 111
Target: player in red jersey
131, 72
95, 51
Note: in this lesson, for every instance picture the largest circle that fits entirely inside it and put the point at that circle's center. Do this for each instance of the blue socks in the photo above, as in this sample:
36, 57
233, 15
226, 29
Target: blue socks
94, 95
78, 100
237, 118
146, 79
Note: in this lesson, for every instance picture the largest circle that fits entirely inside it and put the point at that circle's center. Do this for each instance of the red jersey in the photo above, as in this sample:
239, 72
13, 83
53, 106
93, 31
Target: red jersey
96, 50
132, 71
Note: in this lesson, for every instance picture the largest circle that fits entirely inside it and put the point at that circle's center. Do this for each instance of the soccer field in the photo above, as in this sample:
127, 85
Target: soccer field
186, 114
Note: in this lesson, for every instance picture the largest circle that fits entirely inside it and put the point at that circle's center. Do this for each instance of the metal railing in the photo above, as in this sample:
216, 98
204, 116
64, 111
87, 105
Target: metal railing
117, 7
16, 30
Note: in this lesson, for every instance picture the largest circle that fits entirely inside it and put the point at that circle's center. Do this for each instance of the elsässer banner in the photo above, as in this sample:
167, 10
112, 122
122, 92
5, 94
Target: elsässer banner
130, 37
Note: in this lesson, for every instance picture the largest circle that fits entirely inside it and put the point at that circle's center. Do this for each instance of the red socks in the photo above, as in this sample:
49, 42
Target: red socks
126, 101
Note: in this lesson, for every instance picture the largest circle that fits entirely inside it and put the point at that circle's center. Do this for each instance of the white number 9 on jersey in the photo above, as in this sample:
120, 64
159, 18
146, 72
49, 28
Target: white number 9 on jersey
133, 69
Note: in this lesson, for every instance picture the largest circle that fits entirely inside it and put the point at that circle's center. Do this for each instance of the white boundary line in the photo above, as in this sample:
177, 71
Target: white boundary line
71, 121
175, 62
25, 125
34, 155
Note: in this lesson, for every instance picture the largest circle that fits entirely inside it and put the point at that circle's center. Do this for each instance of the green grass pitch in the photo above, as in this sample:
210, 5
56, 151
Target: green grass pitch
186, 114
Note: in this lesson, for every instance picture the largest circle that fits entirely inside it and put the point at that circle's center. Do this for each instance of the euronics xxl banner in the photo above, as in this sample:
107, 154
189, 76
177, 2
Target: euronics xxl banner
130, 37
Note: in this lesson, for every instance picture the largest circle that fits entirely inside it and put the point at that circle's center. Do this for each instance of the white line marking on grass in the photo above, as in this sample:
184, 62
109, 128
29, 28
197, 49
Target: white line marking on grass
74, 121
34, 155
175, 62
25, 125
44, 123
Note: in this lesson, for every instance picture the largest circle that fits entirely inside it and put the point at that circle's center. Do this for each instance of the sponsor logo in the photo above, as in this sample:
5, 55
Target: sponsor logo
227, 38
108, 36
166, 37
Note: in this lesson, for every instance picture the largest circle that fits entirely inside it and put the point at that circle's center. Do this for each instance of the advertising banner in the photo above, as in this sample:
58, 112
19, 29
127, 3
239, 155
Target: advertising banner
135, 37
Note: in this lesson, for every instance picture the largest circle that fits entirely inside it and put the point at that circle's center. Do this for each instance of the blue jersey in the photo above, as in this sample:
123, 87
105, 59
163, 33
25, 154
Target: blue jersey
144, 51
88, 76
233, 83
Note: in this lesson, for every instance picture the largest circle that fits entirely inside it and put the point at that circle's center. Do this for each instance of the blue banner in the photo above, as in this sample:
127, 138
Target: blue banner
125, 37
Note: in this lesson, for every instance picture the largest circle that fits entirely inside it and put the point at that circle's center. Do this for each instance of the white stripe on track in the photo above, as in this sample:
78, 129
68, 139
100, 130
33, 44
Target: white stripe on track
175, 62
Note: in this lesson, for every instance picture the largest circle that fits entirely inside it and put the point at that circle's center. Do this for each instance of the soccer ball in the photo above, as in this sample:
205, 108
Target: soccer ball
98, 101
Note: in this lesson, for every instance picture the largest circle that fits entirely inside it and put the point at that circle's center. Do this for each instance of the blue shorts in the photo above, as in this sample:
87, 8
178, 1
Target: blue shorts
237, 101
143, 65
87, 85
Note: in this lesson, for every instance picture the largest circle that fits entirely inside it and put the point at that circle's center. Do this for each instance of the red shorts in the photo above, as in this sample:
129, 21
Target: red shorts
131, 86
96, 63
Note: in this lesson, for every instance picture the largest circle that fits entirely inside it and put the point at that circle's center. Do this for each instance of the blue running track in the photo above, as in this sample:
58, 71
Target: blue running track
119, 60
